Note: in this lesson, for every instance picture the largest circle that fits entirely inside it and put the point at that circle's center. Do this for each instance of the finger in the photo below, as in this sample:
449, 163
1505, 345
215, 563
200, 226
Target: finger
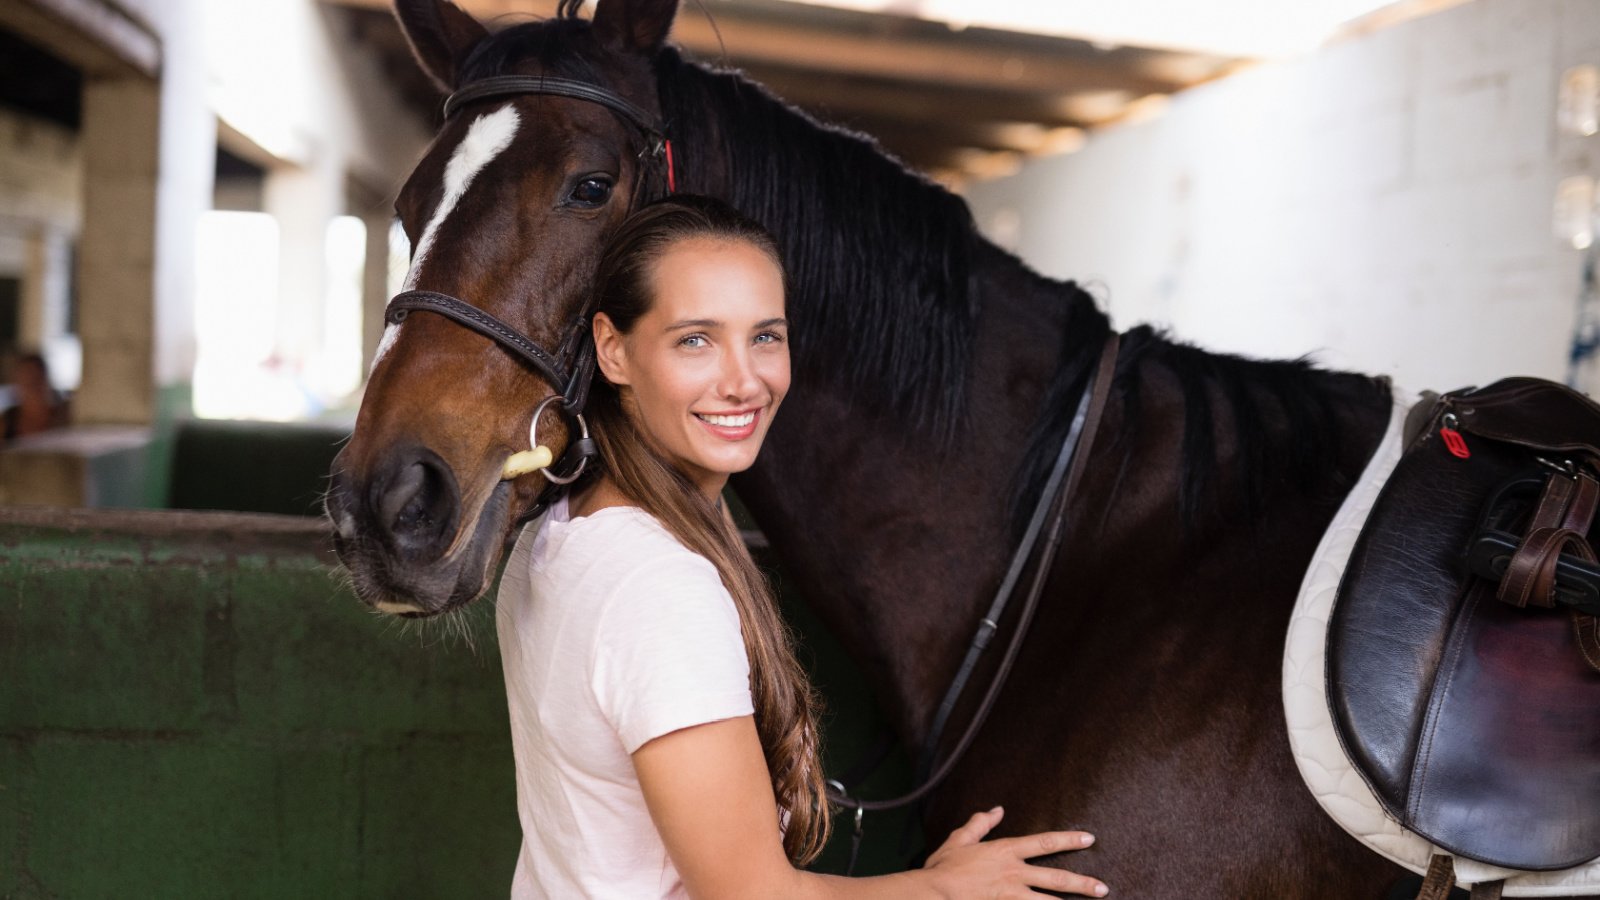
1064, 882
1045, 842
976, 827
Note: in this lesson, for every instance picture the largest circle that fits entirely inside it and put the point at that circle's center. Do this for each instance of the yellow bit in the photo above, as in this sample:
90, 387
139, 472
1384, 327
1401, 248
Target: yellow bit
526, 461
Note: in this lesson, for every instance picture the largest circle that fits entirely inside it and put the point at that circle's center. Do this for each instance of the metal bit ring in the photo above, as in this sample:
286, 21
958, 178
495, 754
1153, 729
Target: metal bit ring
533, 440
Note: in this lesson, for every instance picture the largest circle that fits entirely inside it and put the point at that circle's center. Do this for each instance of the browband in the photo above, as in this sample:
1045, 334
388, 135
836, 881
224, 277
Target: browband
505, 85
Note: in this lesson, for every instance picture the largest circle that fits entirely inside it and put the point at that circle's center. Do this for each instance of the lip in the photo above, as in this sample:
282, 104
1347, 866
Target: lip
728, 433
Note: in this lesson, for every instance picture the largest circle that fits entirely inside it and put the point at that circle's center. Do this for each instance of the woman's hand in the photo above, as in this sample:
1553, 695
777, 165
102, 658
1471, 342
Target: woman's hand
965, 866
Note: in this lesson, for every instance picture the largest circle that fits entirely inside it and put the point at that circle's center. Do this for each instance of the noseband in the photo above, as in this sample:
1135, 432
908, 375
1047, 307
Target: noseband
569, 370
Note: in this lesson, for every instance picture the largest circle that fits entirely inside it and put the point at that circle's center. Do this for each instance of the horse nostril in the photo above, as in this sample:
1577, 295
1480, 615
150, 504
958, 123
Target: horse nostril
404, 492
418, 507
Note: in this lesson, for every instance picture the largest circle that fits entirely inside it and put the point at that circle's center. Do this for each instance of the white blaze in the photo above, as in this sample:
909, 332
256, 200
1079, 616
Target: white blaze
486, 138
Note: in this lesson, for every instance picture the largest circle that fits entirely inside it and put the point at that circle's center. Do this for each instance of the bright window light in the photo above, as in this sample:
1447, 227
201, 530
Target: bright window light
236, 300
338, 367
1250, 28
240, 372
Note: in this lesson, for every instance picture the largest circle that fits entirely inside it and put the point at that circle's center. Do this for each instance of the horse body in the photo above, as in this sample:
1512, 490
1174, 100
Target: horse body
1145, 706
935, 375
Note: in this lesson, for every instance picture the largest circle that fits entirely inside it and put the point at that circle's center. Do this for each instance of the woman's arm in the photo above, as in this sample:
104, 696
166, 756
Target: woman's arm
710, 797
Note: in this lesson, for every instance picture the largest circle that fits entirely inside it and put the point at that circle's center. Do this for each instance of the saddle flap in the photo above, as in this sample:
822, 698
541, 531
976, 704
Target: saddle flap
1506, 768
1473, 722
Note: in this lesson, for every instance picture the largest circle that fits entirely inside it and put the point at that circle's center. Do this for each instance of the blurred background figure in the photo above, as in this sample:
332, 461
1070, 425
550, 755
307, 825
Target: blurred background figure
33, 404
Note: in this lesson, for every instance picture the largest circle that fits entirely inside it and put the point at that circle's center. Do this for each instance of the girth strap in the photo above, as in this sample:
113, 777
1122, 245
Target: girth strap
1441, 878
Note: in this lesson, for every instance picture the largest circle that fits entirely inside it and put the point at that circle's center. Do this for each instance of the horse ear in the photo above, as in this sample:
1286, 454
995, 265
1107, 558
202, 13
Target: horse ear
440, 35
637, 25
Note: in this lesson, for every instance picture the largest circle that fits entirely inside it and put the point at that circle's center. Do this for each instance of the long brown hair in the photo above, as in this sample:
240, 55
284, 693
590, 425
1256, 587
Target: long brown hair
786, 709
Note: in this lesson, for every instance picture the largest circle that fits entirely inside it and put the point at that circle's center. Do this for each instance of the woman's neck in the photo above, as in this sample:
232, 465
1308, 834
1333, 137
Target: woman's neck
595, 496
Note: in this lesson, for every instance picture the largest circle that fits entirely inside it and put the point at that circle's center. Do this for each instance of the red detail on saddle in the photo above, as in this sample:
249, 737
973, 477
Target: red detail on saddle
1455, 443
672, 175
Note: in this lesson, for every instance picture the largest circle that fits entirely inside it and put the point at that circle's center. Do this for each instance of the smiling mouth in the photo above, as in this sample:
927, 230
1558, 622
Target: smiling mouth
736, 421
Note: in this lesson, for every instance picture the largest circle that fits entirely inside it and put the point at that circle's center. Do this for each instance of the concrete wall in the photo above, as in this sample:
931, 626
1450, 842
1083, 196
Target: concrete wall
1384, 203
195, 707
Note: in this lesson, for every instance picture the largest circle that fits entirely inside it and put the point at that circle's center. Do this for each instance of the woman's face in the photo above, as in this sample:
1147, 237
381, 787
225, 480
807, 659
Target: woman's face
706, 367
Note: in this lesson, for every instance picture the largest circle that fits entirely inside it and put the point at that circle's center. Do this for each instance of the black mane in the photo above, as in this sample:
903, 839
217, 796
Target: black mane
881, 265
886, 259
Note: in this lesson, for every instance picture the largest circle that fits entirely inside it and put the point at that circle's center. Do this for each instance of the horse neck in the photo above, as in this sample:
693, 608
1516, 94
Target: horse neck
893, 517
897, 536
888, 511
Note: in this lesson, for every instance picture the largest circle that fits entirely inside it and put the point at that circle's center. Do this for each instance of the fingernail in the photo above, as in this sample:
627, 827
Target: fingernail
1100, 890
996, 810
1087, 840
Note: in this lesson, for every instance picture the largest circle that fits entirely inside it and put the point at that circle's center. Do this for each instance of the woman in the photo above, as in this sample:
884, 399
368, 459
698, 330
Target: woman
665, 737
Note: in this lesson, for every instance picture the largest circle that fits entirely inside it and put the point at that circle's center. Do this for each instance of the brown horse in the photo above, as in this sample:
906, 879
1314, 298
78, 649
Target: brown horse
935, 377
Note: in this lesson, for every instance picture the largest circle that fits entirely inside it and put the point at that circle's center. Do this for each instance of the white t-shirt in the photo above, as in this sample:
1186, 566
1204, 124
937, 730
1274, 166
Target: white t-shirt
612, 633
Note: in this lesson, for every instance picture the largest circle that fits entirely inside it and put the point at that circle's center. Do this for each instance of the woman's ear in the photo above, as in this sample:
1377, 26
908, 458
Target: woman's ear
609, 351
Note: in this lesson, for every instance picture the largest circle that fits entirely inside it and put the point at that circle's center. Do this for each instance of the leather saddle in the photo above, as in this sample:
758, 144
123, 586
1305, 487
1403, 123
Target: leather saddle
1463, 661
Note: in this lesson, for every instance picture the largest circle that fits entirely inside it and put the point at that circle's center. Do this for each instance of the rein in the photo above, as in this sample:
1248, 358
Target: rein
570, 370
1065, 476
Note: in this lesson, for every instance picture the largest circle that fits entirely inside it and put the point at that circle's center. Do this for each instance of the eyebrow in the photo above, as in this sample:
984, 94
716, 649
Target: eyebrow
713, 323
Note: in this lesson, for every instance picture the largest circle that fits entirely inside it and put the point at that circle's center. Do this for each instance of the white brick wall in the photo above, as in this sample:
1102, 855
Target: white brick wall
1384, 203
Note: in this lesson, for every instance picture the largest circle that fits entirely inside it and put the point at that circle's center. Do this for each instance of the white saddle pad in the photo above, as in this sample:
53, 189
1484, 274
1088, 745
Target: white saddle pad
1322, 761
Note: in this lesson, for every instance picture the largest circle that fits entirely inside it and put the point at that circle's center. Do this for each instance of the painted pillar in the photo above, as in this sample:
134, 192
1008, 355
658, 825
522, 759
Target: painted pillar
117, 252
303, 198
375, 286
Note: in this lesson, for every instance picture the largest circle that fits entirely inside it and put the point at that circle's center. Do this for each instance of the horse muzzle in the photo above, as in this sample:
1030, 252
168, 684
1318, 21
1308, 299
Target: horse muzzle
398, 532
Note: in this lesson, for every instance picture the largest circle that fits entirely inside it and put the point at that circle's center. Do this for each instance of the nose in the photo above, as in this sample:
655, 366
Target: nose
737, 379
411, 504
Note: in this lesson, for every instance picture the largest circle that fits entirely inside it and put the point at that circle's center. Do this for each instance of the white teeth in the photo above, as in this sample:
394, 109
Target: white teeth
729, 421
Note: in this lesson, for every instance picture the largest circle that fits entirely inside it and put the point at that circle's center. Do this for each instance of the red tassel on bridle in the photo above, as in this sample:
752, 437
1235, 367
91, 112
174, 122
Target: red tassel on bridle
672, 175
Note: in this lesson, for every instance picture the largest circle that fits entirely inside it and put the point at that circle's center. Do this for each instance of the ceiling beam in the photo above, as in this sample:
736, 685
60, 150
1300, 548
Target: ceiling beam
974, 58
94, 35
842, 99
970, 62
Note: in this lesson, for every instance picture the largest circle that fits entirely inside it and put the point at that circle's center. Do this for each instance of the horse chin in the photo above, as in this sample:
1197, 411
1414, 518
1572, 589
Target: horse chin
390, 585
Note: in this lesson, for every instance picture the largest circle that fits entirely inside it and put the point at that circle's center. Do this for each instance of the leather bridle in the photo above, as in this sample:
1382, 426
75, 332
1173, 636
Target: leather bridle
570, 370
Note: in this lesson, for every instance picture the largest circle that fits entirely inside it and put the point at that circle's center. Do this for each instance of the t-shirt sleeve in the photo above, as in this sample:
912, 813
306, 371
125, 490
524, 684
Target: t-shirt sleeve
670, 652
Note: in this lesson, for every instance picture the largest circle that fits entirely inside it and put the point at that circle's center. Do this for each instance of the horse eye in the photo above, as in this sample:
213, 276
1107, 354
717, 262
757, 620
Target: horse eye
591, 192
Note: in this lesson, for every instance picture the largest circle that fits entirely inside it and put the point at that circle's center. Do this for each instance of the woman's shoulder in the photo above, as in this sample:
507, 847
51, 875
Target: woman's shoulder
620, 528
619, 544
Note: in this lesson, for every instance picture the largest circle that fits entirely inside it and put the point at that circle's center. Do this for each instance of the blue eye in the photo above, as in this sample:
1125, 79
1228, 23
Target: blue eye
769, 337
693, 340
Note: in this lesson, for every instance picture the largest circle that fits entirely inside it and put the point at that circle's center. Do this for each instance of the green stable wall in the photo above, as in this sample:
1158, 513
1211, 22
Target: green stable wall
193, 705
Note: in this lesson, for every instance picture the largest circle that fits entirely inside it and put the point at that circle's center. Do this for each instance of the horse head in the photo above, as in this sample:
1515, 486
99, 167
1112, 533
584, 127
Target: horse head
507, 213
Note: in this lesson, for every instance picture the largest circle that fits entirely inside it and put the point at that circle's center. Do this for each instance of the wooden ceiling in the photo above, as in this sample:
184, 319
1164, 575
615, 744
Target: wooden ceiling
958, 104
